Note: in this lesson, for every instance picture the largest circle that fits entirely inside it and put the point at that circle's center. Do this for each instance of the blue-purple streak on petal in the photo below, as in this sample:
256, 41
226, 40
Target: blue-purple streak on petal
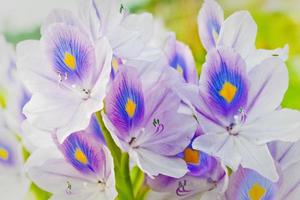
115, 64
205, 166
25, 98
96, 130
11, 157
62, 40
243, 181
210, 21
92, 152
223, 67
126, 88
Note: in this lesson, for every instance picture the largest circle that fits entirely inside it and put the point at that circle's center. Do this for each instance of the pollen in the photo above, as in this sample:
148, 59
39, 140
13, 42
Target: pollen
80, 156
179, 70
4, 154
70, 61
130, 107
191, 156
228, 92
256, 192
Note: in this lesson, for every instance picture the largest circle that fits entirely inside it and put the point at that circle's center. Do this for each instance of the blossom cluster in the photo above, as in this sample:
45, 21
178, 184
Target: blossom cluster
107, 104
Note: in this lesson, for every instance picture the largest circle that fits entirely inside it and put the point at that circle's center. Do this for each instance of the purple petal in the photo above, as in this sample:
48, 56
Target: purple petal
84, 154
181, 59
225, 81
125, 101
70, 52
210, 20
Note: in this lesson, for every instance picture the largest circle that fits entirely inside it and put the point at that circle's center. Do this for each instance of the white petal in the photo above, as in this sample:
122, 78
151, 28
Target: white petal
219, 145
155, 164
33, 70
259, 55
239, 32
283, 125
268, 83
257, 157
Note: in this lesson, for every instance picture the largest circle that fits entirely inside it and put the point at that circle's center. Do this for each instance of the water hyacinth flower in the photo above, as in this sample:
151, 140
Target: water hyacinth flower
145, 123
67, 75
12, 173
79, 168
238, 31
247, 184
239, 110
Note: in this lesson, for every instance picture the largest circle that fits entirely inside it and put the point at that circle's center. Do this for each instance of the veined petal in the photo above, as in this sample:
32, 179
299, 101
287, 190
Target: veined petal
290, 187
283, 125
256, 157
69, 53
181, 59
225, 81
84, 154
268, 83
124, 103
239, 32
245, 184
210, 20
285, 153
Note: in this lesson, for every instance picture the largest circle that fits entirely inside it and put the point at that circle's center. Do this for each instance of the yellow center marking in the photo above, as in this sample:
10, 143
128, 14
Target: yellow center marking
115, 64
80, 156
191, 156
70, 60
256, 192
4, 154
228, 91
130, 107
179, 70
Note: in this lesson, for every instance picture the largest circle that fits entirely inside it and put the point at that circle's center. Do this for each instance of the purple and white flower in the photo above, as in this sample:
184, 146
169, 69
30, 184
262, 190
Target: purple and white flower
144, 121
239, 110
238, 31
67, 75
79, 168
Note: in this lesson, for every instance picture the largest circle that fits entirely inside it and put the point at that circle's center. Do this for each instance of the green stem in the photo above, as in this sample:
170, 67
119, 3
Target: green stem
121, 164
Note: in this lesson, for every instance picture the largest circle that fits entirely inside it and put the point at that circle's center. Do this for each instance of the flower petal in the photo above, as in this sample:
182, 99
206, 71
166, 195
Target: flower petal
256, 157
154, 164
210, 20
225, 81
283, 125
125, 102
268, 83
239, 32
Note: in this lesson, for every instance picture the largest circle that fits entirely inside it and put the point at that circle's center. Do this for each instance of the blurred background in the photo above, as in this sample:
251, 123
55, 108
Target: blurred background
278, 24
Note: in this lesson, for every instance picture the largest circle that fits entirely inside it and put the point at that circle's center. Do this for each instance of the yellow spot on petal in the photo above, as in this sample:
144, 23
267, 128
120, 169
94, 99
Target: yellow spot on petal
70, 60
130, 107
179, 70
191, 156
4, 154
228, 91
80, 156
256, 192
115, 64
